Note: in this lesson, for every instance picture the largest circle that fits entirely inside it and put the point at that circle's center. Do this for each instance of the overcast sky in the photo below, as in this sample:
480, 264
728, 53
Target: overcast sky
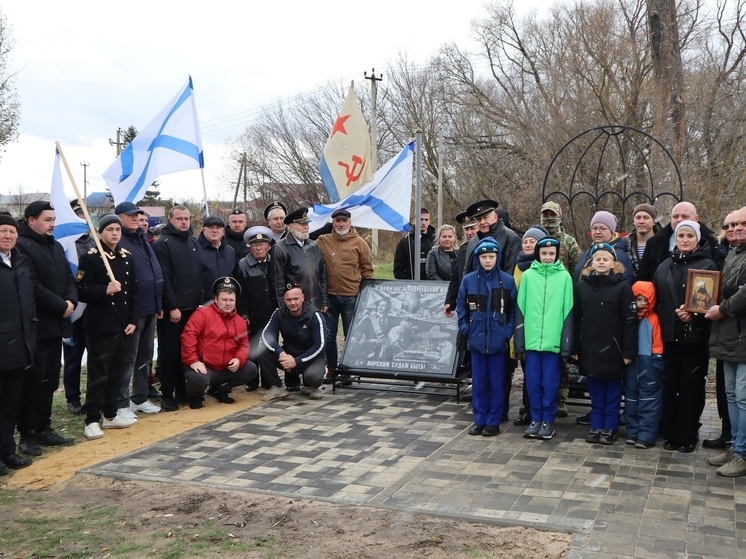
86, 68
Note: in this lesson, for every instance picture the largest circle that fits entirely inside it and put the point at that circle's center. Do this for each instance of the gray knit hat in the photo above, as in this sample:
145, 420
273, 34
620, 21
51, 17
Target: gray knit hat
536, 232
107, 219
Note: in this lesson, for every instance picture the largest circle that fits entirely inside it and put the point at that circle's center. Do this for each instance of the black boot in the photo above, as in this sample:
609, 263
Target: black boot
169, 404
15, 461
720, 442
220, 396
29, 446
48, 437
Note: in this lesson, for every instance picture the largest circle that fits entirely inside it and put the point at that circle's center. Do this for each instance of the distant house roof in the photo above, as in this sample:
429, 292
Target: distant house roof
154, 211
99, 200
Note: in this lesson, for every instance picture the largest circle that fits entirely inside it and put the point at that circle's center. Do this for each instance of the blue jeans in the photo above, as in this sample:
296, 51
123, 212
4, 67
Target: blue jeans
73, 358
338, 305
735, 391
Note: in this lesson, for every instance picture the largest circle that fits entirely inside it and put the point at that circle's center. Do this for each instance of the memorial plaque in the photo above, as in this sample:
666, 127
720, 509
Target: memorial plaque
399, 330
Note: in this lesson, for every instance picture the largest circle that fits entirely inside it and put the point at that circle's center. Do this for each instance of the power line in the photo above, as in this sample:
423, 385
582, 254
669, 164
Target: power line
243, 118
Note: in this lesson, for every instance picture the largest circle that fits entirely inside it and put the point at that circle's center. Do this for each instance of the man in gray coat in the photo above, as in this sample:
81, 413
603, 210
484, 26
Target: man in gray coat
726, 344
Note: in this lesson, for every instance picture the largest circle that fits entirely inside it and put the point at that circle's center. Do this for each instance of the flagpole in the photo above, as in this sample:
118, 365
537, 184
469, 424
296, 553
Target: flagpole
88, 219
416, 265
204, 189
373, 142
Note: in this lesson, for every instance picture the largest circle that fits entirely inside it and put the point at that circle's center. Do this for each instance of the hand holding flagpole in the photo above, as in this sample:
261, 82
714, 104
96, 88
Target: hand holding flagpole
88, 219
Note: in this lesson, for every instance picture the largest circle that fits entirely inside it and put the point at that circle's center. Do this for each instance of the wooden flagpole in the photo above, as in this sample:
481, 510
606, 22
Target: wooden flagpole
84, 207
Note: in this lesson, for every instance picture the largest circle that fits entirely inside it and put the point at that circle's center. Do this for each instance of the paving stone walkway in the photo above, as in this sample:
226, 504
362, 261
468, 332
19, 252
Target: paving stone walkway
412, 452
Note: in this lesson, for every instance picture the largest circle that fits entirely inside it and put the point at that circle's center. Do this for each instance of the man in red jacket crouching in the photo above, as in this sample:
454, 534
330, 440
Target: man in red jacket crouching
215, 347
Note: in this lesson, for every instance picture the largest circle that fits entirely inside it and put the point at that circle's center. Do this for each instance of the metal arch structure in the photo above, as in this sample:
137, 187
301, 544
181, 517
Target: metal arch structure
614, 168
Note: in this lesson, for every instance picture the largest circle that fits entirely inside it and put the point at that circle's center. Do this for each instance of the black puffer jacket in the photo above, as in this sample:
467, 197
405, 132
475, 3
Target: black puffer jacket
55, 283
18, 317
178, 254
217, 262
236, 241
670, 287
605, 325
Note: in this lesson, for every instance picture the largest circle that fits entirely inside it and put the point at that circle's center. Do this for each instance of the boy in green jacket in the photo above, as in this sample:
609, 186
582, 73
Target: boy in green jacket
543, 333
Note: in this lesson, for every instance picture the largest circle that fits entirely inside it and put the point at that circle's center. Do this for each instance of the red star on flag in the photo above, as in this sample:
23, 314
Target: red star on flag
339, 125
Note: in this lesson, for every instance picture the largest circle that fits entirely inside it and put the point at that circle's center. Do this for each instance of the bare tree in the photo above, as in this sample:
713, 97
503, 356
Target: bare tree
665, 47
10, 107
716, 115
284, 146
505, 110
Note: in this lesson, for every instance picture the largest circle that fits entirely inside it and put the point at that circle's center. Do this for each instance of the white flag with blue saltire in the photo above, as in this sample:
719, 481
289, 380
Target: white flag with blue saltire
346, 162
68, 226
170, 143
384, 203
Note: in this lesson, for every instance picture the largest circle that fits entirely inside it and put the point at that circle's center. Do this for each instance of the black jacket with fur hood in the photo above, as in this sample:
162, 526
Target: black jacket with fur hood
605, 323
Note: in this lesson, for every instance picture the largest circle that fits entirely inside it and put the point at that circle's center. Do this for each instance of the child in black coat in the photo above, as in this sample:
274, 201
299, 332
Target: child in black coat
605, 338
110, 322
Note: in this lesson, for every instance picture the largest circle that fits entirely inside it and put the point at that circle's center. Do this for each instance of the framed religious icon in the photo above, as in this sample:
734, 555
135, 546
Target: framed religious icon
702, 290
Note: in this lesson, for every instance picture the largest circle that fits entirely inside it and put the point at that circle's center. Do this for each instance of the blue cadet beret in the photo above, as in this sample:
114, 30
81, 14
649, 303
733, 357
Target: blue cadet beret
487, 246
603, 246
548, 242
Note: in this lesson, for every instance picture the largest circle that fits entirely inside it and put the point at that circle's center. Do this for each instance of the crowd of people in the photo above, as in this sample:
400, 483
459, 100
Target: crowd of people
236, 304
625, 311
230, 307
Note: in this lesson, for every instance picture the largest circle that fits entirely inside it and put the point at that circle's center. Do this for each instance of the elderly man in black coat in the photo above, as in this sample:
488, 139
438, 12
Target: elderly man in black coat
17, 337
56, 297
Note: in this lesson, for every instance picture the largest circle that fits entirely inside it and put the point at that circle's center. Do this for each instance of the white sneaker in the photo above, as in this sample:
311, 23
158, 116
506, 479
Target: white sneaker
118, 422
126, 413
146, 407
315, 394
275, 393
93, 431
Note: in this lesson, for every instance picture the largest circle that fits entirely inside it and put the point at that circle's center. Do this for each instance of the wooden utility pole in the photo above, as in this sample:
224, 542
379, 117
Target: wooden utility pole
241, 173
373, 141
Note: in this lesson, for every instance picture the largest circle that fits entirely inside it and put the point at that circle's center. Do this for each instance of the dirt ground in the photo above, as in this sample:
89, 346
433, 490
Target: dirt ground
53, 512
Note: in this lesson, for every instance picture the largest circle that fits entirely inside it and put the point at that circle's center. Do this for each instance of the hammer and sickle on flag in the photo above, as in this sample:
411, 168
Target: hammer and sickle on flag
346, 162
